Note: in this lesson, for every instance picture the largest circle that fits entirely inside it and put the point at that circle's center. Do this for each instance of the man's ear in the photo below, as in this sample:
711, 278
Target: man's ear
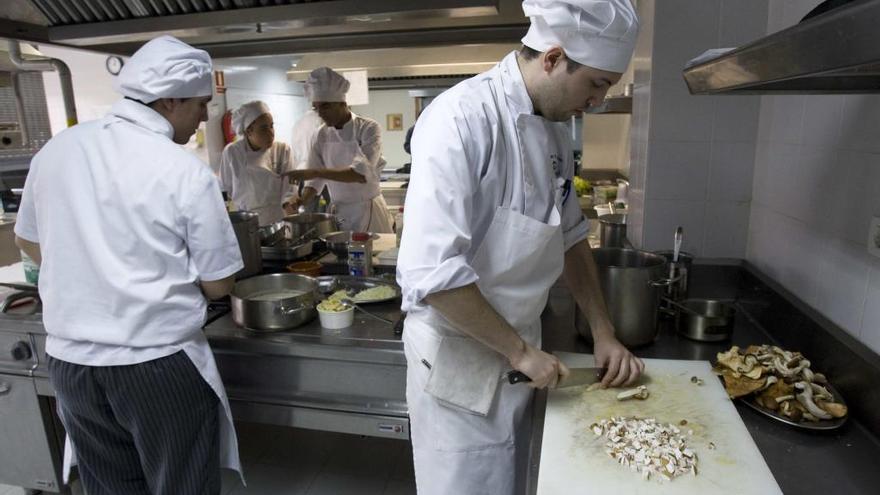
552, 58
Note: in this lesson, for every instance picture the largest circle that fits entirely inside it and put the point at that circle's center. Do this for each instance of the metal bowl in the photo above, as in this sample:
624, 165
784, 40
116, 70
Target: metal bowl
252, 311
706, 320
337, 242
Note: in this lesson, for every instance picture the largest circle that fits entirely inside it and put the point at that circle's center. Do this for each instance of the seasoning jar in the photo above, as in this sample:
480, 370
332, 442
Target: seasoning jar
360, 255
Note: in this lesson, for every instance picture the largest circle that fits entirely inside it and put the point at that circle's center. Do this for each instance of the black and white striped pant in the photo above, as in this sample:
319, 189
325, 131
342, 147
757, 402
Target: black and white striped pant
144, 429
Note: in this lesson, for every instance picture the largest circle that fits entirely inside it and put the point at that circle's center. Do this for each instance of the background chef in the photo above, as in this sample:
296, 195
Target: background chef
251, 167
491, 223
133, 238
346, 157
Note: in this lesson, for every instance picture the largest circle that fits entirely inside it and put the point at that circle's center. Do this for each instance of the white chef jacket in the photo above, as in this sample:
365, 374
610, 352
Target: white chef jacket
253, 180
128, 223
302, 138
366, 133
458, 181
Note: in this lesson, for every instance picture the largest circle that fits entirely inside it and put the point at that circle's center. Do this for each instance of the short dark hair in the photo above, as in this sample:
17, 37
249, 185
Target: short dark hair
529, 53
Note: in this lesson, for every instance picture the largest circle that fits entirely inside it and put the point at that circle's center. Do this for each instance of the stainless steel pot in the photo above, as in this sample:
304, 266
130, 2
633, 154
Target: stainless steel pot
705, 320
612, 231
255, 308
246, 225
311, 225
632, 282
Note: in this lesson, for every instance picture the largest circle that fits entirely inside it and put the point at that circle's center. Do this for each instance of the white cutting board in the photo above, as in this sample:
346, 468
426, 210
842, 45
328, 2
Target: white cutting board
574, 462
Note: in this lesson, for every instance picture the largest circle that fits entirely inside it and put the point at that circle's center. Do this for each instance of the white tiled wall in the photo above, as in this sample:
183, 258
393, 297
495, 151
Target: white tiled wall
699, 152
816, 187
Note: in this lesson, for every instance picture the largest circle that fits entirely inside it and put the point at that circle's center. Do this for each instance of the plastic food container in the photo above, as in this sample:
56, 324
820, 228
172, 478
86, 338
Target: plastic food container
336, 319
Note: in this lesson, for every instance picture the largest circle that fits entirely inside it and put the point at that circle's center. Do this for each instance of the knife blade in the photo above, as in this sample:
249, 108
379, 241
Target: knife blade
575, 377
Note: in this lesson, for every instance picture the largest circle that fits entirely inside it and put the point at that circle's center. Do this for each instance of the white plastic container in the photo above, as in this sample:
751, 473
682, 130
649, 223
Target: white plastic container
336, 319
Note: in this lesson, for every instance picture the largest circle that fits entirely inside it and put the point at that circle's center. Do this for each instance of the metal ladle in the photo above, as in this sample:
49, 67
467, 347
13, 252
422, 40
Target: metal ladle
349, 302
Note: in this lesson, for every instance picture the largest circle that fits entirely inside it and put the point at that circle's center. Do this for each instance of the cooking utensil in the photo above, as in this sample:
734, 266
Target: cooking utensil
632, 282
301, 223
679, 270
273, 233
576, 377
246, 225
329, 284
705, 320
349, 302
276, 314
680, 306
284, 251
20, 286
337, 242
677, 249
612, 233
305, 236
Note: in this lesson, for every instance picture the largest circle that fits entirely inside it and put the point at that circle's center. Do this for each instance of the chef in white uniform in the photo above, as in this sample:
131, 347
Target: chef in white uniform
346, 157
133, 238
491, 223
251, 167
303, 136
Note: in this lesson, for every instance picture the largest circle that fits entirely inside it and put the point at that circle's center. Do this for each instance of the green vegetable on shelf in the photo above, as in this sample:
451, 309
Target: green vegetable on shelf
582, 187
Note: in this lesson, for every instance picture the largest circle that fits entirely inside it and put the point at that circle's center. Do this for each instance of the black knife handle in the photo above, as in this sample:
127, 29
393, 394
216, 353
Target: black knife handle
515, 377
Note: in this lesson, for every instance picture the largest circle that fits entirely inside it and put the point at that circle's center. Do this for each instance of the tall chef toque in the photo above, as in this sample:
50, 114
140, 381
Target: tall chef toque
596, 33
326, 85
166, 67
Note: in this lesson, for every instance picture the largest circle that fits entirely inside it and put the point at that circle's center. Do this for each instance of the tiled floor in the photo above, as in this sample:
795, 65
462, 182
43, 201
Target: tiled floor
288, 461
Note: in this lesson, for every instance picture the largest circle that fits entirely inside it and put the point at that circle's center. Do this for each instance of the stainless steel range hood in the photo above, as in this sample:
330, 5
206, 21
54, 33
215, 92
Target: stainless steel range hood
837, 52
237, 28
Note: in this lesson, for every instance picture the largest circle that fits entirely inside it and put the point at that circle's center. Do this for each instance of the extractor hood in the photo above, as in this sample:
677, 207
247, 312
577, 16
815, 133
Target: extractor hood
836, 52
242, 28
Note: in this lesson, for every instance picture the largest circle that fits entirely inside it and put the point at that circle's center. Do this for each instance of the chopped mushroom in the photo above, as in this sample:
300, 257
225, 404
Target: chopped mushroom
647, 447
640, 392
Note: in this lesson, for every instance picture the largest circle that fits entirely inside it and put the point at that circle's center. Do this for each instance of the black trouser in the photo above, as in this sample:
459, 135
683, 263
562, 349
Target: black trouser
150, 428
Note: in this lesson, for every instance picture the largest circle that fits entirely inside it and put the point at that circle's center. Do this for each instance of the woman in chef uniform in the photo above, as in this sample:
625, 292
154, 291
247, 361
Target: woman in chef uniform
251, 168
346, 157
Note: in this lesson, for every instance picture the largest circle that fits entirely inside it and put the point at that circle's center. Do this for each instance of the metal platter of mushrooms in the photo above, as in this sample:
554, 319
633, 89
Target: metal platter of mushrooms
781, 384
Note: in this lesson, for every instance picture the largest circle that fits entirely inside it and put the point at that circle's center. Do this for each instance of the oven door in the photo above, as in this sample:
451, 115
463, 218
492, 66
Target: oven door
26, 458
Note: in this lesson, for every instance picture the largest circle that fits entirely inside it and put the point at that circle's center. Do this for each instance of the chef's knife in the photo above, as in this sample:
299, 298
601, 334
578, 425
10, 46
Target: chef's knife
576, 376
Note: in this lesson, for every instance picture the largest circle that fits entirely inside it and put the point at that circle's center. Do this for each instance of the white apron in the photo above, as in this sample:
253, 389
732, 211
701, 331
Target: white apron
199, 352
359, 206
469, 430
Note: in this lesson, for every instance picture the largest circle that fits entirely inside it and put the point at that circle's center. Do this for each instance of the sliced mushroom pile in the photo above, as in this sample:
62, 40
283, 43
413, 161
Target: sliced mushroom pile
778, 380
647, 447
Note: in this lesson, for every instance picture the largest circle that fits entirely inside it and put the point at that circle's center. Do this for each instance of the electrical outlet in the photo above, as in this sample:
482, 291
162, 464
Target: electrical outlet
874, 237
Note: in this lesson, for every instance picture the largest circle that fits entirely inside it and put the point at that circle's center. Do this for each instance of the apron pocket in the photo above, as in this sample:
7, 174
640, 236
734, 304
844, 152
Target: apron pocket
465, 374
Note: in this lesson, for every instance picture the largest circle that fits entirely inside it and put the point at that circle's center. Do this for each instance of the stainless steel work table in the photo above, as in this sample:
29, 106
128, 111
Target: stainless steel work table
351, 380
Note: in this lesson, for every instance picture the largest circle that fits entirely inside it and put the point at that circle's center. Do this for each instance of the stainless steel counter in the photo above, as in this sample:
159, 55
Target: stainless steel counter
351, 380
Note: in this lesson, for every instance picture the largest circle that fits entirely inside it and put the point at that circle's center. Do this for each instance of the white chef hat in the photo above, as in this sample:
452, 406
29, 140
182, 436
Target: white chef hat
597, 33
246, 114
166, 67
325, 84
